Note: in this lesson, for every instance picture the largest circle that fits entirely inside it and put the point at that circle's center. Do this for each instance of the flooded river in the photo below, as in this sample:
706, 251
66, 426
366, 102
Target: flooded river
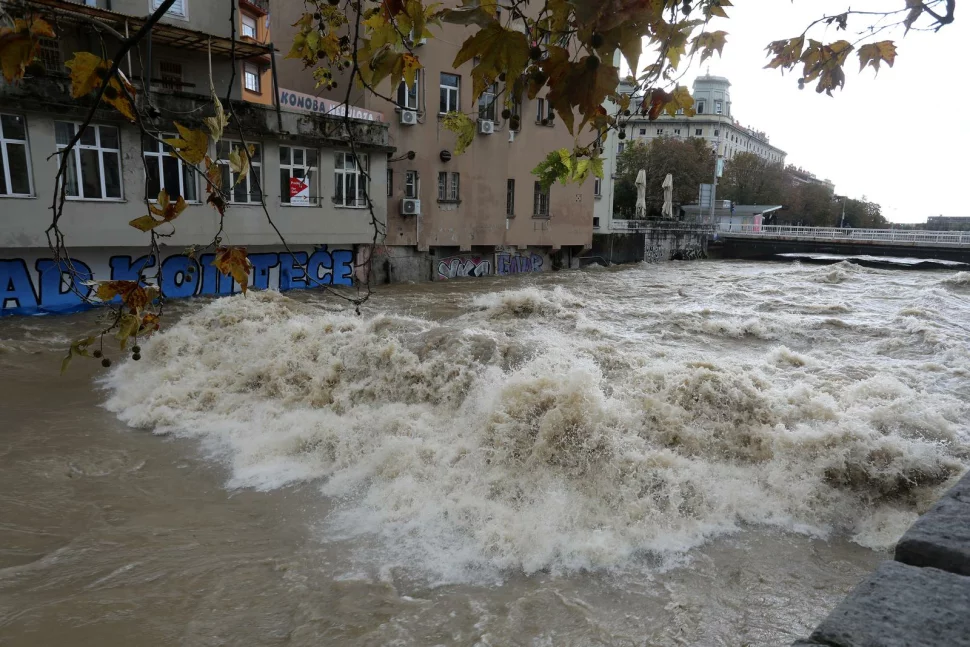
706, 453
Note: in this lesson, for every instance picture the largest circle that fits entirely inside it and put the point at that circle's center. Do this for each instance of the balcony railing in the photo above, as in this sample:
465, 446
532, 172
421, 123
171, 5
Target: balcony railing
261, 5
961, 238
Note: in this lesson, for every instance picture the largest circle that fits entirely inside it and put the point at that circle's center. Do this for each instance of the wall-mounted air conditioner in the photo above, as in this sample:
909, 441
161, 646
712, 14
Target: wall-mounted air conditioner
410, 207
486, 127
409, 117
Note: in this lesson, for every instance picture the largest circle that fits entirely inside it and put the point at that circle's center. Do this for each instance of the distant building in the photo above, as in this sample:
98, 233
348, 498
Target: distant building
732, 217
713, 122
948, 223
801, 176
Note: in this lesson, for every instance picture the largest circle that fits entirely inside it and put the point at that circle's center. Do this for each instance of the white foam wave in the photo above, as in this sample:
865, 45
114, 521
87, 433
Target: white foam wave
469, 450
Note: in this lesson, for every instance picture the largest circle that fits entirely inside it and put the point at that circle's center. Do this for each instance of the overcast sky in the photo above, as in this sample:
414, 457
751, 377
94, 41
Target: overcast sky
902, 139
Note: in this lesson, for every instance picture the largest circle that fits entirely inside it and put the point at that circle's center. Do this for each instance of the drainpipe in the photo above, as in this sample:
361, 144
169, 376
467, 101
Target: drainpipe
276, 87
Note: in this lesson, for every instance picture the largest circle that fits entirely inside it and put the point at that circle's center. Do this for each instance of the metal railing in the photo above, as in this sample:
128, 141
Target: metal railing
847, 235
643, 225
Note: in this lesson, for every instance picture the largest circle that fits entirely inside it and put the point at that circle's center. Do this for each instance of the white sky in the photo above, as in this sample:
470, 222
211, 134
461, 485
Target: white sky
902, 139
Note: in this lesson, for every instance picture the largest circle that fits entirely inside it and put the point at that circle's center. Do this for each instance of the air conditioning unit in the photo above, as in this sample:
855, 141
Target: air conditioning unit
486, 127
410, 207
409, 117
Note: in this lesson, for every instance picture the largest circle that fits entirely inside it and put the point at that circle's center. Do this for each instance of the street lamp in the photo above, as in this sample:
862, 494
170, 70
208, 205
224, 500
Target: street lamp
843, 198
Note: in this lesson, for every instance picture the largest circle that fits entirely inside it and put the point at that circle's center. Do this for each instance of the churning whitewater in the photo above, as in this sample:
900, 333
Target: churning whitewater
581, 420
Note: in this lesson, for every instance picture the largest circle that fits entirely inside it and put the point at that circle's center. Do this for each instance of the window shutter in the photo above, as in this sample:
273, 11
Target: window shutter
177, 8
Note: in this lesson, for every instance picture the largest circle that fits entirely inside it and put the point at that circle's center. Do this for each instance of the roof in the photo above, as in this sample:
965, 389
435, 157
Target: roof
740, 210
162, 33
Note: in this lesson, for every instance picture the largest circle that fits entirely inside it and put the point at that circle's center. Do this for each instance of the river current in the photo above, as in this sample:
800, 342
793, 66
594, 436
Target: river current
708, 453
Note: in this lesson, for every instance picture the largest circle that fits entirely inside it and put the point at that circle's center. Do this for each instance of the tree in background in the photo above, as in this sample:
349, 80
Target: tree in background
690, 161
750, 179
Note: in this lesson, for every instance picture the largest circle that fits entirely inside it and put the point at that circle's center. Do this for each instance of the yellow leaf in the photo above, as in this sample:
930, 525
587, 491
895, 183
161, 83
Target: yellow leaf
239, 161
78, 348
165, 209
874, 53
219, 122
20, 44
128, 327
460, 124
213, 175
192, 145
708, 43
88, 73
233, 261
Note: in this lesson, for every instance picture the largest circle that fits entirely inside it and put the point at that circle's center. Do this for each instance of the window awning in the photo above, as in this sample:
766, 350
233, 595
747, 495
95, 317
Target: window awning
162, 33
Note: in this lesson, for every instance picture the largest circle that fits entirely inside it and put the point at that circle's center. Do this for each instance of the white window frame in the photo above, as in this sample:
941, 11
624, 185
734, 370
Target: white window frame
700, 107
157, 156
543, 107
76, 153
540, 201
255, 28
449, 188
597, 187
409, 94
310, 173
660, 131
718, 107
4, 140
452, 93
252, 69
412, 186
177, 10
487, 103
255, 167
698, 132
342, 172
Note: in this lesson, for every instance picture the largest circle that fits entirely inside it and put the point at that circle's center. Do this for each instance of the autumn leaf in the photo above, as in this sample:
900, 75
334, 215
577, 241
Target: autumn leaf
472, 12
192, 145
78, 349
786, 53
579, 84
874, 53
20, 44
165, 209
134, 296
498, 50
233, 261
463, 126
88, 73
708, 43
213, 175
239, 161
149, 323
128, 327
716, 8
915, 11
219, 122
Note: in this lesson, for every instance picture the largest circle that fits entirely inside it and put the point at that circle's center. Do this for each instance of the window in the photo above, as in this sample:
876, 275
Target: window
544, 112
14, 165
95, 173
643, 132
450, 97
350, 180
619, 149
596, 222
50, 55
249, 26
700, 107
660, 131
717, 133
510, 198
251, 77
540, 201
486, 103
597, 187
699, 132
717, 107
298, 175
170, 74
677, 131
407, 97
177, 8
411, 185
164, 171
516, 110
448, 191
390, 182
247, 191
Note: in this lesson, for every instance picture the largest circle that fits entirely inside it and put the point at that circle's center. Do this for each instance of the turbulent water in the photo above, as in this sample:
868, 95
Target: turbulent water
694, 454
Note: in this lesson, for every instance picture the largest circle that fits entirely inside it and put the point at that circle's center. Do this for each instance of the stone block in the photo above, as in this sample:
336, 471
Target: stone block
941, 537
901, 606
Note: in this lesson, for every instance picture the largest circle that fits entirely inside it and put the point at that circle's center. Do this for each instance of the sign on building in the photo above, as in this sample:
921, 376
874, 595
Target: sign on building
299, 102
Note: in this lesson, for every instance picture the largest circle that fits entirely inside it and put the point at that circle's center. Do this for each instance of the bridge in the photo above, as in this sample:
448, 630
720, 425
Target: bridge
767, 241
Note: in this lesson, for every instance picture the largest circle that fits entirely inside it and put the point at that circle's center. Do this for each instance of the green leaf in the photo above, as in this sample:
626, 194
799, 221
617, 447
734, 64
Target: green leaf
463, 126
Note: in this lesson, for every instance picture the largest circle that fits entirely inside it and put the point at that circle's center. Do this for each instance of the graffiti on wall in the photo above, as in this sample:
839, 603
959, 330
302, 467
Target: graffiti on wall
455, 267
506, 263
43, 285
655, 254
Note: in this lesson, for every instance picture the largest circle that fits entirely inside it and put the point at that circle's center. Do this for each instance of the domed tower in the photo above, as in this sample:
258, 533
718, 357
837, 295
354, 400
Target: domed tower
712, 95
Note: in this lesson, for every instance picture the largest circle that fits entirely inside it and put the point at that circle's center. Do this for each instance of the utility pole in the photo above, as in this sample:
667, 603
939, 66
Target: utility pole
717, 157
842, 226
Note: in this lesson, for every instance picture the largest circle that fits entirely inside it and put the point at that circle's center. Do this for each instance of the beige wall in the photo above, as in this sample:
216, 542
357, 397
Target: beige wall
480, 218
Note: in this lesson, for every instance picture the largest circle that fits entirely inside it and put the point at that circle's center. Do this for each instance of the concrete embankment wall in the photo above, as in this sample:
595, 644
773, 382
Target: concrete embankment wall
657, 242
921, 598
769, 248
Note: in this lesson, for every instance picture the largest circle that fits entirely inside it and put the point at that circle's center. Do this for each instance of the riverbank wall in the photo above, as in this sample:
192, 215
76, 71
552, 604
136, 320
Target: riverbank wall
652, 242
920, 598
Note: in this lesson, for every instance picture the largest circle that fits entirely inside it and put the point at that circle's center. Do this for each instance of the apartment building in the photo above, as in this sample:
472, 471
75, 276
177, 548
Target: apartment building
450, 215
303, 171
